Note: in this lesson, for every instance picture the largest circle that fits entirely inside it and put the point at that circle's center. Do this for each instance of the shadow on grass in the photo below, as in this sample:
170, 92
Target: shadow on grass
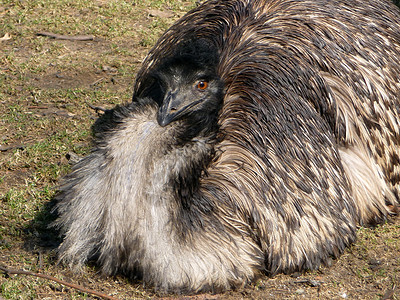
39, 234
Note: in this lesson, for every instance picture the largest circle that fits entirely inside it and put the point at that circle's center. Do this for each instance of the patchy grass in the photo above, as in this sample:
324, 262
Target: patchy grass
47, 86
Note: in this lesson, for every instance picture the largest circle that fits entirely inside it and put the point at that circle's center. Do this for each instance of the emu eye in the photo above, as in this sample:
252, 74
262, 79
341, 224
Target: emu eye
202, 85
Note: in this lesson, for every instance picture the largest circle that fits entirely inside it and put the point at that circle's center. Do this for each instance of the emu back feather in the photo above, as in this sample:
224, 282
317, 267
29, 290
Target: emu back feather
304, 148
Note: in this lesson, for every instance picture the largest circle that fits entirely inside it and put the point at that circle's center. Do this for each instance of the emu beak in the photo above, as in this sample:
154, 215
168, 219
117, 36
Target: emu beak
170, 109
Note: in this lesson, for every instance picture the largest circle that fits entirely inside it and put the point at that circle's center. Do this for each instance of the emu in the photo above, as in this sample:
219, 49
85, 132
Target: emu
260, 135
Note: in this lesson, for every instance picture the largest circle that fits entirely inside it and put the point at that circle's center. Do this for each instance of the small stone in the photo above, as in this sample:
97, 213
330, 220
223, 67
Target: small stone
160, 13
375, 262
343, 295
295, 275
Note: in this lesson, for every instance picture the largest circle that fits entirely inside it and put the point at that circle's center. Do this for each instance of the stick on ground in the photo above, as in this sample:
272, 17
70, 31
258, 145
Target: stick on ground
66, 37
48, 277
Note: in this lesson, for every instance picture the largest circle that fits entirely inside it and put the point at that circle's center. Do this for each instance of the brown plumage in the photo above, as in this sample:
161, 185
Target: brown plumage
293, 142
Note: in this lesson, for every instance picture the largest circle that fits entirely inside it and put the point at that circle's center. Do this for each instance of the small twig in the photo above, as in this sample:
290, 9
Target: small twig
97, 108
11, 147
97, 81
310, 282
66, 37
48, 277
37, 107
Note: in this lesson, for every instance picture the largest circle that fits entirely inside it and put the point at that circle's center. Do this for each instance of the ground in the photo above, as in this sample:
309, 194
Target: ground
49, 89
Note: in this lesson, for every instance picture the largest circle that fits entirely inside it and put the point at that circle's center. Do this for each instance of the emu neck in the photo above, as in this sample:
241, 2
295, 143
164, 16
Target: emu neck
163, 164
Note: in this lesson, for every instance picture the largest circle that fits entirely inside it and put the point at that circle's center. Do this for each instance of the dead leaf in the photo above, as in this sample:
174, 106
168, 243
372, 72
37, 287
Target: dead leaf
6, 37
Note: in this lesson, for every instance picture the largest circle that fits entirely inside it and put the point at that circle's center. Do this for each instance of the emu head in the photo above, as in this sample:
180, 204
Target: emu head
188, 90
186, 86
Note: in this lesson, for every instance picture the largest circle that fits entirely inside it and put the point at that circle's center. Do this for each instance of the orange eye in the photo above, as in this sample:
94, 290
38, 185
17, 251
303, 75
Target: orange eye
202, 85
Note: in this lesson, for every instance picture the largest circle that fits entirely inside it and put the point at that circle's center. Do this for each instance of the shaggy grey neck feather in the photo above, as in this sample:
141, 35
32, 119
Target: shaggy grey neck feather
135, 219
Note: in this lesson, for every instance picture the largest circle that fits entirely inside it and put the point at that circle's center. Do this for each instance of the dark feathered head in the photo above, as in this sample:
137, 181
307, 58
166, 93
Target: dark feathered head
186, 85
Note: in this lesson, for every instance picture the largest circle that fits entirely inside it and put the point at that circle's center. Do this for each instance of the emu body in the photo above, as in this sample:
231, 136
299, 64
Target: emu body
294, 142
